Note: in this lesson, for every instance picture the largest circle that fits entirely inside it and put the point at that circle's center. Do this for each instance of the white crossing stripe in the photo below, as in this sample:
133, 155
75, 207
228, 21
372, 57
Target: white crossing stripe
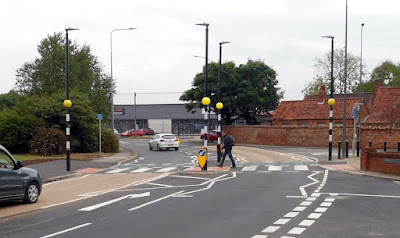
165, 170
301, 167
117, 171
141, 170
274, 168
250, 168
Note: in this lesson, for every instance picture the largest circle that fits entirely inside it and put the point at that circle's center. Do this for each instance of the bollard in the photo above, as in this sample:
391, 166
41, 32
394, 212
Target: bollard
370, 144
347, 149
358, 148
339, 149
384, 146
398, 145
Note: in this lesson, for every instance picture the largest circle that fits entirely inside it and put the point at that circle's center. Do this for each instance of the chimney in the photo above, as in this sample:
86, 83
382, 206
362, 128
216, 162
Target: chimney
378, 84
322, 95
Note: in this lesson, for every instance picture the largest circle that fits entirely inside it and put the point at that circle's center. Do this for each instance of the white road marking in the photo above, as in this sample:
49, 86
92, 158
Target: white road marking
291, 214
179, 176
299, 209
305, 203
94, 207
287, 237
321, 209
281, 221
314, 215
154, 201
250, 168
362, 195
306, 223
259, 236
66, 230
161, 185
296, 231
301, 167
141, 170
116, 171
274, 168
164, 170
302, 188
311, 199
271, 229
326, 204
315, 195
61, 181
329, 200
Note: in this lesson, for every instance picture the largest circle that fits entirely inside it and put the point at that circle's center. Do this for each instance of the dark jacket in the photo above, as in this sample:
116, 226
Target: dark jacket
227, 143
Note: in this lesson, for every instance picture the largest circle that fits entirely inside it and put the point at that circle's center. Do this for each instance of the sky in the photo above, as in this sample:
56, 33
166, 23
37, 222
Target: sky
157, 59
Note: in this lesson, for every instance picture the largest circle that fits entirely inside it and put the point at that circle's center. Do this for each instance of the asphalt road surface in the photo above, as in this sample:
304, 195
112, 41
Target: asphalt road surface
255, 200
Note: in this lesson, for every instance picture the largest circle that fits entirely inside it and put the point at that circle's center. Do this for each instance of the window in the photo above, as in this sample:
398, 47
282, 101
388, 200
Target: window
286, 124
321, 124
304, 124
338, 124
5, 161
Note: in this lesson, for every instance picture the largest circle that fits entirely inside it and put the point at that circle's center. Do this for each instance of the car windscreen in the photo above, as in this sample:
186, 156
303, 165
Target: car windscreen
168, 137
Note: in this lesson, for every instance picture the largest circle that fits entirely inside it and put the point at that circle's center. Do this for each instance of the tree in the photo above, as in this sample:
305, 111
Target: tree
322, 73
46, 74
246, 90
388, 71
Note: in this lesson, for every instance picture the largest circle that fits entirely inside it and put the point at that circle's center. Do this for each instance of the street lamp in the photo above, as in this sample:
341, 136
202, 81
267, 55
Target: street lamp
331, 101
67, 102
219, 105
345, 92
207, 111
112, 81
359, 115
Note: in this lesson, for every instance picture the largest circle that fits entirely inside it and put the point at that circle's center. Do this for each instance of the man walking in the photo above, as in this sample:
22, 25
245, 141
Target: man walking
228, 150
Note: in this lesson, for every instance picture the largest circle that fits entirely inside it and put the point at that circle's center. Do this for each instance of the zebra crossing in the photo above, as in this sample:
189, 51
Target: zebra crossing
240, 168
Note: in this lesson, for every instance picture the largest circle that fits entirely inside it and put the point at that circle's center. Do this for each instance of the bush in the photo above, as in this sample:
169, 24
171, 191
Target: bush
109, 142
48, 141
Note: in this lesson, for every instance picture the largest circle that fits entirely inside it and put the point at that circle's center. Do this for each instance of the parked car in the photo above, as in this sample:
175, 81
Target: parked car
116, 132
17, 182
139, 132
164, 141
148, 131
212, 137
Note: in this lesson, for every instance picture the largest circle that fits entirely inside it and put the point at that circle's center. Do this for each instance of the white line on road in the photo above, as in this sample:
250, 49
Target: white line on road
94, 207
154, 201
301, 167
141, 170
274, 168
250, 168
66, 230
161, 185
115, 171
179, 176
302, 190
164, 170
361, 195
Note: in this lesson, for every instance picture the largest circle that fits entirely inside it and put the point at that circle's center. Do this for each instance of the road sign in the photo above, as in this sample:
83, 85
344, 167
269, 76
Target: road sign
202, 157
100, 116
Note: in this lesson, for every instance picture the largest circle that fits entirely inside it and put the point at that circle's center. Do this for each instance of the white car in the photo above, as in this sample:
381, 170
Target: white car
164, 141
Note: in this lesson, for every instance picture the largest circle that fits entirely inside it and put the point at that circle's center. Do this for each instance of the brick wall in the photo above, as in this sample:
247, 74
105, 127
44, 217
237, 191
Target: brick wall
311, 136
380, 161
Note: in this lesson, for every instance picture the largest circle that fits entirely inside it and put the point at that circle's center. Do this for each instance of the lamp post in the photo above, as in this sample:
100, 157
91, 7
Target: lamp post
207, 111
67, 102
359, 111
345, 92
112, 80
219, 105
331, 101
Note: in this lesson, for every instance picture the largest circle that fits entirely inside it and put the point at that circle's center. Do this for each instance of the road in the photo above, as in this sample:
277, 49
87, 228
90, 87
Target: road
258, 199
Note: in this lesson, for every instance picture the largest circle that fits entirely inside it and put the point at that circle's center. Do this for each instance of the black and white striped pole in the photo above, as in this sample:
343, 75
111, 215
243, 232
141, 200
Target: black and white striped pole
206, 102
219, 150
331, 102
67, 102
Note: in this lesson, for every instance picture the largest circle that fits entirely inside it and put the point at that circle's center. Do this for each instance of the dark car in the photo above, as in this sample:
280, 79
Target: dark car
148, 131
17, 182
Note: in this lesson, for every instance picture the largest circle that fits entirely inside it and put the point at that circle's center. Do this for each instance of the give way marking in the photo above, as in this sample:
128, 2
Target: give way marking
94, 207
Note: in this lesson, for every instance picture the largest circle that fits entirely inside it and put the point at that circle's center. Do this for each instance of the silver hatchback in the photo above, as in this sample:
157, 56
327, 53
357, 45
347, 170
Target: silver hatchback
164, 141
16, 182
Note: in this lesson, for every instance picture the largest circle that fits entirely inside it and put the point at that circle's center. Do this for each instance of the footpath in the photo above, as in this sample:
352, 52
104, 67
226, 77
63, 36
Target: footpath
56, 170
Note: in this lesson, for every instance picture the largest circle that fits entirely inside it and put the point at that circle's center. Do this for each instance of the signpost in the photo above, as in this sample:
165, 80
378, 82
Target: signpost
100, 117
202, 158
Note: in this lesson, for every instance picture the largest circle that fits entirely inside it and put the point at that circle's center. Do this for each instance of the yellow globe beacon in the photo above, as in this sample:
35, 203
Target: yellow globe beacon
331, 102
206, 101
220, 105
67, 103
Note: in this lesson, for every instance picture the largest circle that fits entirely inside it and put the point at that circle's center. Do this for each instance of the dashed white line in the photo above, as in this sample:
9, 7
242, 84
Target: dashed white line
281, 221
299, 209
291, 214
271, 229
259, 236
305, 203
326, 204
306, 223
314, 215
296, 231
321, 209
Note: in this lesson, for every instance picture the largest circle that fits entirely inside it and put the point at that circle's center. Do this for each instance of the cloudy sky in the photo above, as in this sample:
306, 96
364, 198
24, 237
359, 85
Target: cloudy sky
157, 60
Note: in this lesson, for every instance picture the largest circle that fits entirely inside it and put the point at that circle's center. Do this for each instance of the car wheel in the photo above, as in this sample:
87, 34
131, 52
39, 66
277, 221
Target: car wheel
158, 147
150, 148
176, 148
31, 193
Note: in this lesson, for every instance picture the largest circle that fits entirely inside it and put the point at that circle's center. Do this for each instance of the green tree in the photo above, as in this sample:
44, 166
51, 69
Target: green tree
246, 90
388, 71
322, 73
46, 74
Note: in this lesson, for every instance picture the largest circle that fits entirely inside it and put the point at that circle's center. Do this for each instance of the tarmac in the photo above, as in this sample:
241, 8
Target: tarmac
56, 170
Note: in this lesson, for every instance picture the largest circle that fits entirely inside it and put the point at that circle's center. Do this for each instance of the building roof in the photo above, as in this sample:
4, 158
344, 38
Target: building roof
386, 107
311, 109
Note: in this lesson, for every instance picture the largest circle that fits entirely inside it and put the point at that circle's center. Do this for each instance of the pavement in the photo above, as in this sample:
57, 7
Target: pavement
56, 170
